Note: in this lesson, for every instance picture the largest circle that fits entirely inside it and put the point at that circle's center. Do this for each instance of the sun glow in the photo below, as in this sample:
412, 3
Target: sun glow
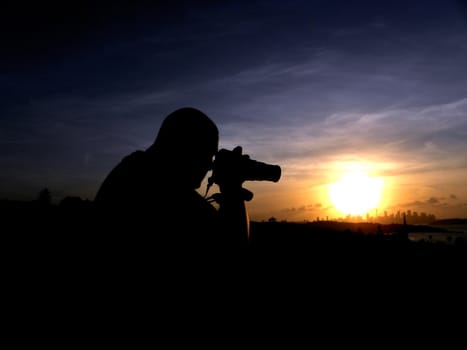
356, 193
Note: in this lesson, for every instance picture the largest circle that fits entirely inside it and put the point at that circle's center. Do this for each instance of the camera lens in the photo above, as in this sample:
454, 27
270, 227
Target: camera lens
259, 171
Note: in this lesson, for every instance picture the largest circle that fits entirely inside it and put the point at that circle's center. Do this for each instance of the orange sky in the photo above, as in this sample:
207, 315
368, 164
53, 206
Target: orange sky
303, 190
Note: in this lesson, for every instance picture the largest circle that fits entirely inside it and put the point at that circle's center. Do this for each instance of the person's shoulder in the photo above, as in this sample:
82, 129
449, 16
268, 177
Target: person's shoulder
133, 161
135, 156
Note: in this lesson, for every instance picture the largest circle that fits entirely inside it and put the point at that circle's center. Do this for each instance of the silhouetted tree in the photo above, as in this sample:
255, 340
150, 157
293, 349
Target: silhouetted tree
44, 198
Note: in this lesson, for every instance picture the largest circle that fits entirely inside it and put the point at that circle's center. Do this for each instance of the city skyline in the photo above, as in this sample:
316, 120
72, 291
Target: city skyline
316, 87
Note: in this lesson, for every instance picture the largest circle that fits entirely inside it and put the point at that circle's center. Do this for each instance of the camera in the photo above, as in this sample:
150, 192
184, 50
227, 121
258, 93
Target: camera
233, 166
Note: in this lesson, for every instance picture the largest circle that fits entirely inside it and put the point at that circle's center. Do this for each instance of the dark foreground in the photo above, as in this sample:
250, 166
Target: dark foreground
70, 246
67, 279
58, 246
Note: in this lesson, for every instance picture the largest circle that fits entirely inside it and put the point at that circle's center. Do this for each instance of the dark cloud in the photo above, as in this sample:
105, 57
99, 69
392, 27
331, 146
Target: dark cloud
32, 30
302, 208
430, 202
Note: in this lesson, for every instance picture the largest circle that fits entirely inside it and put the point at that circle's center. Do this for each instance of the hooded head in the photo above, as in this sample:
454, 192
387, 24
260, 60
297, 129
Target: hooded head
186, 144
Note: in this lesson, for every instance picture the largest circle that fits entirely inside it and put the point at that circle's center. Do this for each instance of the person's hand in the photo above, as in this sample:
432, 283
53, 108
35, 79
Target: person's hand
227, 169
228, 172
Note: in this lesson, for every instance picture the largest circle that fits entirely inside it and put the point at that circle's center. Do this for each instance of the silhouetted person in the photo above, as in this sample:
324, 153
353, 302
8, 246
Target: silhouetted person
152, 193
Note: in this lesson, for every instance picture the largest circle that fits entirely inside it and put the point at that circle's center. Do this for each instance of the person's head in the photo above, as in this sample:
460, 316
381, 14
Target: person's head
187, 142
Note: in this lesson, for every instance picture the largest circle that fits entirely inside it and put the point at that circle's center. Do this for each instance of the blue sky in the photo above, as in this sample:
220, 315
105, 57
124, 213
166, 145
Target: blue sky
310, 85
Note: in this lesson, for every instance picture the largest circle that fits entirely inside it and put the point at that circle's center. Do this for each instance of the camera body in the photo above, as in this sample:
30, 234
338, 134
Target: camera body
235, 167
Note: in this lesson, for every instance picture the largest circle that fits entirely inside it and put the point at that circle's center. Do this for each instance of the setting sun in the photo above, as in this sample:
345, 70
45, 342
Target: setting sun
356, 193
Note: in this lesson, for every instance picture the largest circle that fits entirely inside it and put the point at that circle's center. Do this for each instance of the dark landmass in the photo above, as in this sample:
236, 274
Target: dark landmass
383, 243
454, 221
56, 257
34, 233
74, 217
366, 258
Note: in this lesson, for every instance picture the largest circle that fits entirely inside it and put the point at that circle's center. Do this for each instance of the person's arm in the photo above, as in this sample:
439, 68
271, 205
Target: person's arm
234, 214
227, 174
